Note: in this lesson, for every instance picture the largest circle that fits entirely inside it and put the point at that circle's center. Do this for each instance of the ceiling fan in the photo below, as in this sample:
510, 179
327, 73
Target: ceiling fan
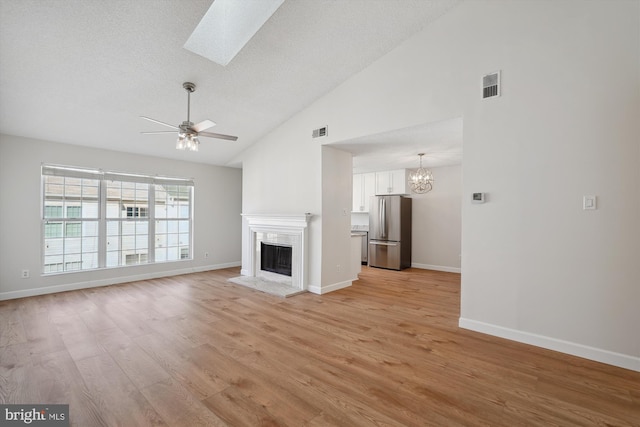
188, 132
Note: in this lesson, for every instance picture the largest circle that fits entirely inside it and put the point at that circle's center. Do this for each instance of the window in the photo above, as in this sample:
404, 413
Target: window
73, 229
53, 211
93, 219
52, 229
172, 210
136, 259
74, 211
135, 211
127, 234
70, 222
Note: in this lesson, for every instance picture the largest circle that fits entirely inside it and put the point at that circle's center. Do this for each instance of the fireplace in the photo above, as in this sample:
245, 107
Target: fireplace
276, 258
285, 236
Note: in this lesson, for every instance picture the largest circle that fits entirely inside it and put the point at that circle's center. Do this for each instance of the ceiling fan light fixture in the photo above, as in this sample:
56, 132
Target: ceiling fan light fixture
187, 142
187, 131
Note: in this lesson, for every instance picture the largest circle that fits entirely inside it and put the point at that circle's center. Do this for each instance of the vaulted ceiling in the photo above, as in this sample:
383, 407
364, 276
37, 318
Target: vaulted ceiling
83, 71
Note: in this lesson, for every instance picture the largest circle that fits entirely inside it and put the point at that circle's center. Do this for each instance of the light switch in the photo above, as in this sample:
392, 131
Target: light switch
588, 202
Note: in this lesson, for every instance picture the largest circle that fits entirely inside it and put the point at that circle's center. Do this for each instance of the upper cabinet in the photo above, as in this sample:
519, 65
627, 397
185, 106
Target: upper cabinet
384, 183
391, 182
363, 188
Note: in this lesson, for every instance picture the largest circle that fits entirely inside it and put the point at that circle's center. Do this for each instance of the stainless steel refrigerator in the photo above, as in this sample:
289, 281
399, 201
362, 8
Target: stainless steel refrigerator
390, 232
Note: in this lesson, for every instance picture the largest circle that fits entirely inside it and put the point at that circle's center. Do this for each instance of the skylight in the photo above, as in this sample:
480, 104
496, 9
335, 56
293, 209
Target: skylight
227, 26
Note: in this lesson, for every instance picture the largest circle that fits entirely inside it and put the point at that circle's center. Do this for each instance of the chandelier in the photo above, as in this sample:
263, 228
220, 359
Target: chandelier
421, 181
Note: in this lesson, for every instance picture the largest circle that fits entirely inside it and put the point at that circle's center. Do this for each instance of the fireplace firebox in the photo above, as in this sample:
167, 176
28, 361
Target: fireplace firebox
276, 258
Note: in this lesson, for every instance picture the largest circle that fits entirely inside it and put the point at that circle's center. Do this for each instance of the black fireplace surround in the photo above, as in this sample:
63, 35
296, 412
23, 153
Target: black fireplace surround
276, 258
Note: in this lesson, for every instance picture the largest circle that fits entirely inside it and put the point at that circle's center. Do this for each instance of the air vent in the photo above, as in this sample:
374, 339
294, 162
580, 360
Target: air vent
491, 85
317, 133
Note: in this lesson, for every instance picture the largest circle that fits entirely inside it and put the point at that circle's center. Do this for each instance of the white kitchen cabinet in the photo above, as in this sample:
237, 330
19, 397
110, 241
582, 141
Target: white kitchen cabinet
363, 189
391, 182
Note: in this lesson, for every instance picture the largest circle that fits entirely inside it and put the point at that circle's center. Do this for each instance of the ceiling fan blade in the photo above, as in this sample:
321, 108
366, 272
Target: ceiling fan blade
160, 123
205, 124
158, 132
218, 135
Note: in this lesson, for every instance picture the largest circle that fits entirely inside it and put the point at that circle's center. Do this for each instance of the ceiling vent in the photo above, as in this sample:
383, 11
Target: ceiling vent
491, 85
317, 133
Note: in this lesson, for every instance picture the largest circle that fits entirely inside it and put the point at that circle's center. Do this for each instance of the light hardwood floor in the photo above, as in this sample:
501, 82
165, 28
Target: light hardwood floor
197, 350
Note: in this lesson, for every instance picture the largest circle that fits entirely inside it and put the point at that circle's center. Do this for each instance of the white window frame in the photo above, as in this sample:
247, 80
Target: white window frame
103, 177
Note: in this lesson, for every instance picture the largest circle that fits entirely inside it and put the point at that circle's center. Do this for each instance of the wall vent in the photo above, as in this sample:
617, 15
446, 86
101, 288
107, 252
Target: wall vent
317, 133
491, 85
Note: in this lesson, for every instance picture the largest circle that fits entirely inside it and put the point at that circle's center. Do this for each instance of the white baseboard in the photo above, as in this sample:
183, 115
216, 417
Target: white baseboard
437, 267
330, 288
591, 353
110, 281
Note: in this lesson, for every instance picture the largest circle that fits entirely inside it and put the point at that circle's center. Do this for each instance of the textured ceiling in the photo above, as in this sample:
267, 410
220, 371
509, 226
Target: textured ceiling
83, 71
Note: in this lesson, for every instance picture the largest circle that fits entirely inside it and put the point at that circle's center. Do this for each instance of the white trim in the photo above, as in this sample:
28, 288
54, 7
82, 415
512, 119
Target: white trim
437, 267
111, 281
329, 288
580, 350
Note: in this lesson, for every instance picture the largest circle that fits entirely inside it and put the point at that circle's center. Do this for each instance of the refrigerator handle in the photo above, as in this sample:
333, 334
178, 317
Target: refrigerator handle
376, 243
383, 217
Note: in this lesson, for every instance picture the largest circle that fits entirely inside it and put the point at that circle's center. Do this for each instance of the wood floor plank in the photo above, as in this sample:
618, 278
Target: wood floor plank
42, 335
196, 349
141, 369
281, 402
179, 407
233, 407
60, 382
81, 346
95, 319
202, 383
12, 329
12, 333
128, 321
16, 385
109, 387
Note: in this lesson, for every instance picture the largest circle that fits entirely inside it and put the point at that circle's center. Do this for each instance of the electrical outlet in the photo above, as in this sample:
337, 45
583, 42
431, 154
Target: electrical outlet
25, 274
589, 203
206, 254
338, 267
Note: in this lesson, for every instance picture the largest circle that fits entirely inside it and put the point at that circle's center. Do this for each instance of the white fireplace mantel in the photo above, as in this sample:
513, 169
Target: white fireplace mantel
278, 220
277, 228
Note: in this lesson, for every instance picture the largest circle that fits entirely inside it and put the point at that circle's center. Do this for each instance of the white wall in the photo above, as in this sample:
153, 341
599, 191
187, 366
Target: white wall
282, 174
336, 219
217, 220
437, 222
535, 266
